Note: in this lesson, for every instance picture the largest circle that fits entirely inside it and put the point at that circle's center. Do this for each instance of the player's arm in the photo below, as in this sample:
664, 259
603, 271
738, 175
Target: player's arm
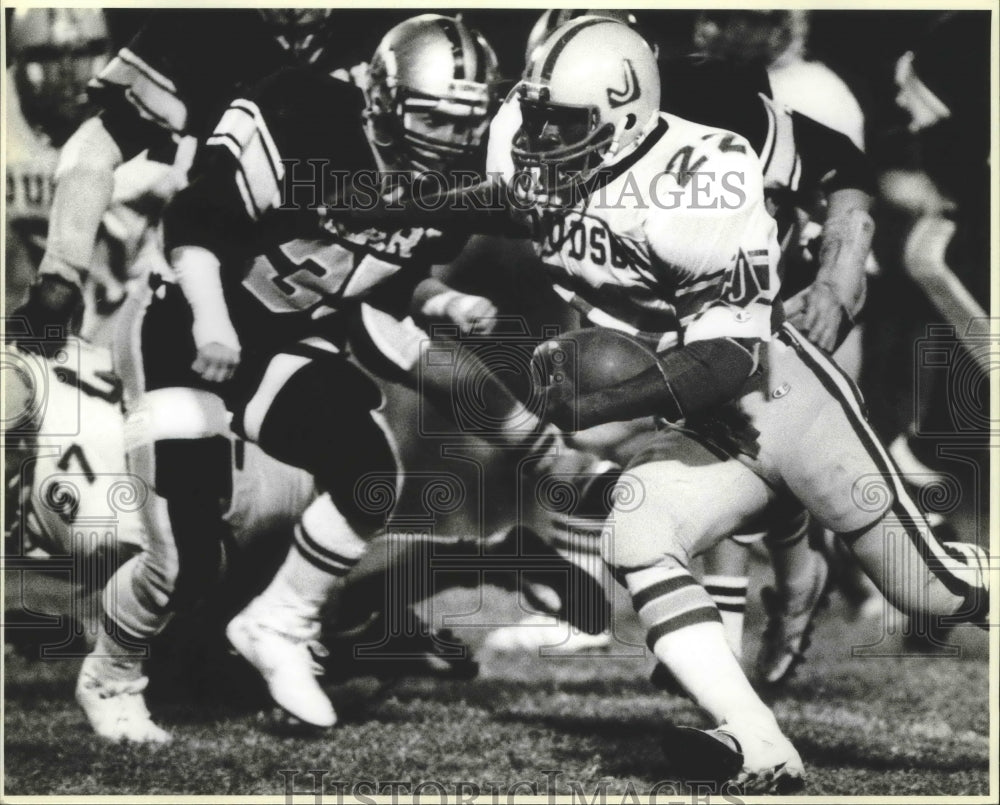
723, 239
84, 185
826, 310
434, 300
139, 109
685, 381
205, 226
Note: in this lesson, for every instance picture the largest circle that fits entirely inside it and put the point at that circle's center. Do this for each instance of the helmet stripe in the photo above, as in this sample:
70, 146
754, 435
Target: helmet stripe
481, 60
563, 40
457, 52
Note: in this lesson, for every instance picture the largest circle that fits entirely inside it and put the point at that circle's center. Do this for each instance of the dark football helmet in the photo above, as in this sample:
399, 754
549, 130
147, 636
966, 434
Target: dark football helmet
431, 93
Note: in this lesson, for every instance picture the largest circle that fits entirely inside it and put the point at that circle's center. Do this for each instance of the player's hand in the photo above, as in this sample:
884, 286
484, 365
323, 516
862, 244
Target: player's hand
52, 312
556, 385
472, 314
818, 313
216, 362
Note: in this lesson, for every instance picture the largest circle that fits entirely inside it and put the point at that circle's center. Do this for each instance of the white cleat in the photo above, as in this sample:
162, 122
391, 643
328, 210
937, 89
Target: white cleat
755, 760
116, 709
284, 651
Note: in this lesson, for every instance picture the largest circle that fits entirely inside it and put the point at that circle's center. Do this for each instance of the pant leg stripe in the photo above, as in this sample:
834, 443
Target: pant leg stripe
833, 379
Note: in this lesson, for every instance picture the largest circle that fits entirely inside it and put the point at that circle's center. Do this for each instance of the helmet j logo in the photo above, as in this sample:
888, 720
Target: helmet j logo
620, 97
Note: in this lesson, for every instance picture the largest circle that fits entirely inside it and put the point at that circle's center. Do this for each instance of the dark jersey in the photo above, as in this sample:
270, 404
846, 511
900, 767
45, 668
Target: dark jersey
800, 158
799, 154
279, 158
718, 93
179, 73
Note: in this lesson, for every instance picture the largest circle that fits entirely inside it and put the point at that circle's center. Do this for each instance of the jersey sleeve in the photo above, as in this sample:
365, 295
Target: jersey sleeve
712, 229
287, 145
177, 74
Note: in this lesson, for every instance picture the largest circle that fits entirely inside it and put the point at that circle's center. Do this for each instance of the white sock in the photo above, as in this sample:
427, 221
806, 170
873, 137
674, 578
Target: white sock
730, 596
685, 632
324, 550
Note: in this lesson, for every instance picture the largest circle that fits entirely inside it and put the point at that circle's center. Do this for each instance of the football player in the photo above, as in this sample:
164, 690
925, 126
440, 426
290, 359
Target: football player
769, 47
55, 53
250, 320
807, 165
70, 497
172, 81
659, 227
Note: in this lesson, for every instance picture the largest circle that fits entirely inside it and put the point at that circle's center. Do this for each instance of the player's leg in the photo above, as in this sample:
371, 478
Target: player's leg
726, 578
555, 549
184, 479
853, 488
800, 573
676, 501
314, 410
801, 566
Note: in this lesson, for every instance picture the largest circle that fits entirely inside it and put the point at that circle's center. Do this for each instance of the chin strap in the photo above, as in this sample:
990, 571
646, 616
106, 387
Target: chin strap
614, 155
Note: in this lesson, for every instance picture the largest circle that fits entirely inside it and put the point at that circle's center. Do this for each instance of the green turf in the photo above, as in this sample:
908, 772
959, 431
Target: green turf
864, 726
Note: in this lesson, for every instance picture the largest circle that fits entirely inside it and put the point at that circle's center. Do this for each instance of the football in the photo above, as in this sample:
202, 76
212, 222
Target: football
596, 357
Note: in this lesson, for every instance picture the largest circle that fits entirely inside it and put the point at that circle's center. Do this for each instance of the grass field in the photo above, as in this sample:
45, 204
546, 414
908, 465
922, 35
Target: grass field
874, 725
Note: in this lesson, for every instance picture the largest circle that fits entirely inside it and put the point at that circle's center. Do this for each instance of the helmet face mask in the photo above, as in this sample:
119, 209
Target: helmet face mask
423, 113
589, 95
304, 31
56, 53
428, 133
560, 145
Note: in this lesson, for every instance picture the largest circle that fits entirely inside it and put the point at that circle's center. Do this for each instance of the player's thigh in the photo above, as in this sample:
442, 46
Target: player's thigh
678, 499
823, 447
313, 409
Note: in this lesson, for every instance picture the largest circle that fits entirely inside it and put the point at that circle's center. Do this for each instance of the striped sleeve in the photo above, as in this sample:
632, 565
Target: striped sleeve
153, 95
258, 169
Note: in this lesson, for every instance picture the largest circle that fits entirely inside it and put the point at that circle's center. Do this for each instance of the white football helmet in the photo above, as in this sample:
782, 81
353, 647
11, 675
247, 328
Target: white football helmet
589, 95
557, 17
431, 93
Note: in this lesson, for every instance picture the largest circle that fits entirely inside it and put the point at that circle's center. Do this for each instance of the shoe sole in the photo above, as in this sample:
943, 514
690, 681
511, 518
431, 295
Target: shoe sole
776, 780
700, 757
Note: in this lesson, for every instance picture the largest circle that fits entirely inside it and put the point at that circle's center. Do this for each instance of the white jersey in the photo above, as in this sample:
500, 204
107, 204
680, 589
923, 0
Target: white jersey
676, 242
140, 185
81, 493
80, 490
